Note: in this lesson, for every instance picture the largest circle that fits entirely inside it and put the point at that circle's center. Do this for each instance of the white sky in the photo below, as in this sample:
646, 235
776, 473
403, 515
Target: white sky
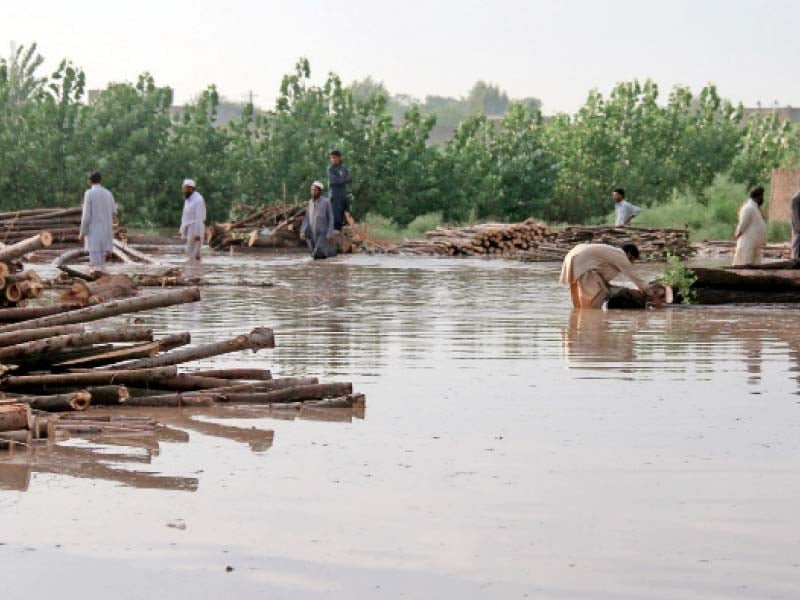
554, 50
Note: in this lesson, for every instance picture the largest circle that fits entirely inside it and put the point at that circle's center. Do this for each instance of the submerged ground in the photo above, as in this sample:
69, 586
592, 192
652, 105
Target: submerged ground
510, 449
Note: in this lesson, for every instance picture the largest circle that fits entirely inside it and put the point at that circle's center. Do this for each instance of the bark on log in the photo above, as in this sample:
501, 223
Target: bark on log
294, 394
102, 395
37, 242
71, 401
112, 356
110, 309
260, 337
28, 335
748, 279
189, 382
175, 340
206, 399
96, 377
9, 439
74, 340
15, 416
106, 288
68, 256
268, 386
709, 295
135, 253
16, 315
247, 374
122, 256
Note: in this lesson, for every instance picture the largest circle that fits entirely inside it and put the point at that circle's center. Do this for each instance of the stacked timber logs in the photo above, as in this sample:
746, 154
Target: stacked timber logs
62, 223
52, 362
653, 243
16, 285
479, 240
533, 241
278, 224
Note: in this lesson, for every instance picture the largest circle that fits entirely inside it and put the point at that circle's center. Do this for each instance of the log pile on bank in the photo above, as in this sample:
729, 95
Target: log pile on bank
63, 224
534, 241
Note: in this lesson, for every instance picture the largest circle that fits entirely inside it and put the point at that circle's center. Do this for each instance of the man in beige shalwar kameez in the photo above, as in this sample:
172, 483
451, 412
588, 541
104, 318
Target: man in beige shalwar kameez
589, 268
751, 233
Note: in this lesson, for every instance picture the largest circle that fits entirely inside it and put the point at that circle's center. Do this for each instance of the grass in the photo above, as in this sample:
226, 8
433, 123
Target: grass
385, 230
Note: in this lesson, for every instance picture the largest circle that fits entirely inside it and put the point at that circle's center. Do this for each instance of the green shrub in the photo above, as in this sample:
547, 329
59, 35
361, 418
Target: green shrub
679, 278
779, 231
422, 224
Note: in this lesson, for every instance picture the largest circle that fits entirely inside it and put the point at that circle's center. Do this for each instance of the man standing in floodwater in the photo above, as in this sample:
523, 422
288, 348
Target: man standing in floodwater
97, 221
317, 228
795, 208
338, 178
751, 233
193, 226
624, 210
589, 268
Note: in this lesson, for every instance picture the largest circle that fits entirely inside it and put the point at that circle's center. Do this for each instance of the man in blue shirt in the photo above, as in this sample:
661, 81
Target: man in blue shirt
338, 178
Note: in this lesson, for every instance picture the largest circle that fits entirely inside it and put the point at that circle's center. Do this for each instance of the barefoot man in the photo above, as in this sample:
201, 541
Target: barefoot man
193, 226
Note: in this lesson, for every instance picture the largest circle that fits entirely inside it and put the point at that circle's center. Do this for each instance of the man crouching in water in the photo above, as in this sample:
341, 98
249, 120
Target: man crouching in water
589, 268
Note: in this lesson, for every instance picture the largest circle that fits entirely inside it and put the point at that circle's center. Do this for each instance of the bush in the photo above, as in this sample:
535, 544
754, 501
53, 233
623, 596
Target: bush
422, 224
779, 231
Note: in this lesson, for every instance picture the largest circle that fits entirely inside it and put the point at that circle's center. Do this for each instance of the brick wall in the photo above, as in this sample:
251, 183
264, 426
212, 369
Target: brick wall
785, 184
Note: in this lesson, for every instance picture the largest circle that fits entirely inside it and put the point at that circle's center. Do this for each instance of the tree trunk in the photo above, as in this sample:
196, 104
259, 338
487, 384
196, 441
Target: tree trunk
190, 382
293, 394
248, 374
102, 395
67, 256
260, 337
18, 314
268, 386
28, 335
15, 416
205, 399
113, 356
107, 287
110, 309
96, 377
37, 242
135, 253
75, 340
71, 401
175, 340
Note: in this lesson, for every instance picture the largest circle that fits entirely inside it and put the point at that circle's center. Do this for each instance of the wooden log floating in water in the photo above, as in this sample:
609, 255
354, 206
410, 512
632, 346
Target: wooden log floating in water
247, 374
94, 377
58, 402
292, 394
110, 309
28, 335
74, 340
260, 337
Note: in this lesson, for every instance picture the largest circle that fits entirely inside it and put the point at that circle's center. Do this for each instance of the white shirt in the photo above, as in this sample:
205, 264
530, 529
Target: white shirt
606, 260
97, 220
193, 217
625, 212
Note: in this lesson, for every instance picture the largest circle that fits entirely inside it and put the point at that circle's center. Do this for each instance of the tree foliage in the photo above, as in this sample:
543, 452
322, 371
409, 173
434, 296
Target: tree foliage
512, 166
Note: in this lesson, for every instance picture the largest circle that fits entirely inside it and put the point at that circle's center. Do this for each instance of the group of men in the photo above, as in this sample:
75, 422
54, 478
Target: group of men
323, 222
97, 221
327, 215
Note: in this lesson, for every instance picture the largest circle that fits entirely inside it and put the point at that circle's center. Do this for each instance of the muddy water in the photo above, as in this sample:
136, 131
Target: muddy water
509, 449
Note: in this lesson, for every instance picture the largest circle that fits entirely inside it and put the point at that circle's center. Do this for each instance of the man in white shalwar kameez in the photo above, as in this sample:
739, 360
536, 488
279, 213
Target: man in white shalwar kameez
751, 233
193, 226
97, 221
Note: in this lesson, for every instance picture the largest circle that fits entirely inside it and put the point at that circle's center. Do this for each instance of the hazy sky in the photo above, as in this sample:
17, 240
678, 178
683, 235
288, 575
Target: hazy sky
554, 50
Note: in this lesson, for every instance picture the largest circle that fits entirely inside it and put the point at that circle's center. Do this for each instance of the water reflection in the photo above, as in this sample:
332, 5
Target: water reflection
121, 458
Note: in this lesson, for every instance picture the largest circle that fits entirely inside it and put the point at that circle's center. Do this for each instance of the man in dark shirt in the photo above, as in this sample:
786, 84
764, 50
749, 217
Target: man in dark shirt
338, 178
795, 206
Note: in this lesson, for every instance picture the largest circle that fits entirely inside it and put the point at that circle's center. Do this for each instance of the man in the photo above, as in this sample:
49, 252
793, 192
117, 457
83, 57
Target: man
193, 227
589, 268
751, 233
796, 226
97, 221
338, 178
317, 227
624, 210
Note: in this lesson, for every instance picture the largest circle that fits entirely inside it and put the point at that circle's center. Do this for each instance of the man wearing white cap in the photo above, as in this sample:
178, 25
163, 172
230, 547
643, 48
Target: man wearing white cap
193, 226
317, 227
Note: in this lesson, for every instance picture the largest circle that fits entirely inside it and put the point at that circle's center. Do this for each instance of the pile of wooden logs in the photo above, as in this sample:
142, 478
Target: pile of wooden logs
63, 224
533, 241
16, 285
272, 226
51, 361
653, 243
502, 239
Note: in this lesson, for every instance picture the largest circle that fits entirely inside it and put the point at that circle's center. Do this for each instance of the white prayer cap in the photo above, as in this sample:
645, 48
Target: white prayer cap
189, 183
318, 184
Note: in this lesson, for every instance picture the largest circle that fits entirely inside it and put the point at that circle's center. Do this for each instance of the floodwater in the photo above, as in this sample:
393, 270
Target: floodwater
510, 448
